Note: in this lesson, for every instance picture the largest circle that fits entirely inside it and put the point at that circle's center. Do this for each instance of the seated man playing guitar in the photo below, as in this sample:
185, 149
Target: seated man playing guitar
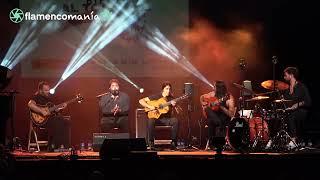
161, 115
58, 127
218, 107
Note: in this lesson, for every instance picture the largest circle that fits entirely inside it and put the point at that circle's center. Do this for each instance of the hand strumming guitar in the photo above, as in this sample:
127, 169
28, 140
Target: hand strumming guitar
62, 106
45, 112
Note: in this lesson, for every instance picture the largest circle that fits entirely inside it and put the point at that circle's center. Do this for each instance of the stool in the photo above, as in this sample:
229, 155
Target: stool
162, 138
37, 143
227, 143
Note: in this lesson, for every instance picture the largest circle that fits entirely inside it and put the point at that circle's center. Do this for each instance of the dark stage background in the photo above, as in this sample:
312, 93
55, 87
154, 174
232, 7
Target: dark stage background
219, 34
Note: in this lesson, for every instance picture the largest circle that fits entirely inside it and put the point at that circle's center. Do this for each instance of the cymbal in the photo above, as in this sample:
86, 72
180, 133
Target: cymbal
282, 100
243, 88
278, 85
266, 93
258, 98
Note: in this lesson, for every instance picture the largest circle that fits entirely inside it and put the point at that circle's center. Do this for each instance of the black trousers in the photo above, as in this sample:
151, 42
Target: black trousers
163, 121
295, 123
58, 132
108, 123
217, 122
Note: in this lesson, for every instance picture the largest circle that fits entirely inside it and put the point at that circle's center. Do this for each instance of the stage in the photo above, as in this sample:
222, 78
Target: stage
168, 154
165, 165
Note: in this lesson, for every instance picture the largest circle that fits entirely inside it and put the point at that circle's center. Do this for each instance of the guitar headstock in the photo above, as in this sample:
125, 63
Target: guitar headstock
79, 98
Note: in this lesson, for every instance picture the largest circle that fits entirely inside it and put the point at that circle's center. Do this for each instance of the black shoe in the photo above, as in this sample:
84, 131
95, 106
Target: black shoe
173, 145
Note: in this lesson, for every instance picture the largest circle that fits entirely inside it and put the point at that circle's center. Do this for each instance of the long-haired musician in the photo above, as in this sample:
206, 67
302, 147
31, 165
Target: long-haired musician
165, 118
218, 107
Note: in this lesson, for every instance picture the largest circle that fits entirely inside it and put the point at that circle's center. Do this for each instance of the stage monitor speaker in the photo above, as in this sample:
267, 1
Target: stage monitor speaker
124, 149
141, 124
98, 138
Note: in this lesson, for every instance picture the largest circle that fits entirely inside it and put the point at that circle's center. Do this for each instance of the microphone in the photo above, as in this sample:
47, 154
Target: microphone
102, 94
274, 59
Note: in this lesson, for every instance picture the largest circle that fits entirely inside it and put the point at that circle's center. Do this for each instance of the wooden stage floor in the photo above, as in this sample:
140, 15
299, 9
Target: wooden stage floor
194, 154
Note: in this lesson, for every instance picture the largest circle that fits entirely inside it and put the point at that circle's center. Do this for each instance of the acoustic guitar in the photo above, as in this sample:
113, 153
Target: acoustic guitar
39, 120
162, 106
213, 103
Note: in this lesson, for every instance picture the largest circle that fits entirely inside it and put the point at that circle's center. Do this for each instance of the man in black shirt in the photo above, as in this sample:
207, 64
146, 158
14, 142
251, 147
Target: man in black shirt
166, 118
300, 96
115, 109
58, 127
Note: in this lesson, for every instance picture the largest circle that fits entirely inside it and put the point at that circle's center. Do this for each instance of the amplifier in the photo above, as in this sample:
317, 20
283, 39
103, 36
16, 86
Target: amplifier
98, 138
141, 123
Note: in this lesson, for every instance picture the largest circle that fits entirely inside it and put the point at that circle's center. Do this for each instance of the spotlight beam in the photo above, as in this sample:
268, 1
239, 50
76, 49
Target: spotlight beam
102, 61
104, 32
27, 37
157, 42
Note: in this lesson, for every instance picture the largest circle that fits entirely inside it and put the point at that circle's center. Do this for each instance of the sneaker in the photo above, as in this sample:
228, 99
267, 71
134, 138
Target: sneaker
268, 146
291, 145
227, 147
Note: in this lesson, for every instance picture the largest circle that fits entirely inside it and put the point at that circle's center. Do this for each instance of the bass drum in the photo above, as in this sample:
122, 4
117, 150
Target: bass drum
239, 134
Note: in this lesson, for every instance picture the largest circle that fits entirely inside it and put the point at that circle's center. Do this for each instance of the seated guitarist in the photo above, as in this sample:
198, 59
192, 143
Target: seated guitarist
165, 119
219, 108
58, 127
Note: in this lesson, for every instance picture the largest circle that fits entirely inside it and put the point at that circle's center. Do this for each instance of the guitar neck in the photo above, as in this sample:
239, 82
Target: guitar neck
57, 106
176, 100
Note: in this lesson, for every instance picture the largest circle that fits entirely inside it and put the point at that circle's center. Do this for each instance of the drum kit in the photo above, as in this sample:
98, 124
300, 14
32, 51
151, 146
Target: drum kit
254, 127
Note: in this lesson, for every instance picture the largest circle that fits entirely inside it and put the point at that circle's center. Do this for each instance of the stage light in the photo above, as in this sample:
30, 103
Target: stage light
141, 90
101, 32
27, 37
52, 91
5, 77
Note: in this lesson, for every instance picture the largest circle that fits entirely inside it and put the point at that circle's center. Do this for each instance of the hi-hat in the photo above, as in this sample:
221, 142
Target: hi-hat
279, 85
258, 98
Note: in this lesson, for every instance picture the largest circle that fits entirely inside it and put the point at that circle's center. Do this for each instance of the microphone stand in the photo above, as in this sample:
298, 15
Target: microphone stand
274, 62
189, 146
11, 113
100, 114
